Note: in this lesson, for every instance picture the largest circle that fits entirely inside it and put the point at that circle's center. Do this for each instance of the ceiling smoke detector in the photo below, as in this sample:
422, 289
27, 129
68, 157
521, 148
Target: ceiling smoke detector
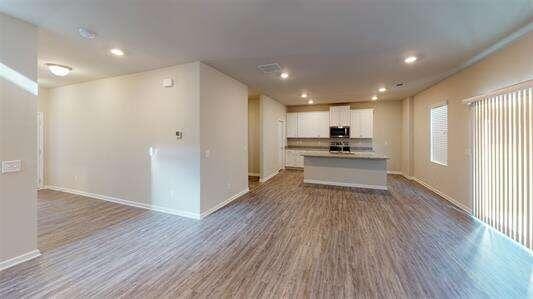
270, 68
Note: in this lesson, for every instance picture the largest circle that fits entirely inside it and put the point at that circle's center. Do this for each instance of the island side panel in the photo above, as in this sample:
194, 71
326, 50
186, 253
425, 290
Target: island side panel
360, 173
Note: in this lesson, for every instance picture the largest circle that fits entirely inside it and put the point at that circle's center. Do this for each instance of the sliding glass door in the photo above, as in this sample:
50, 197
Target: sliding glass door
502, 161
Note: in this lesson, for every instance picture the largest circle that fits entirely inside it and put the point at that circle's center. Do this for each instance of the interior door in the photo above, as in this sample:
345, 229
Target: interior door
40, 150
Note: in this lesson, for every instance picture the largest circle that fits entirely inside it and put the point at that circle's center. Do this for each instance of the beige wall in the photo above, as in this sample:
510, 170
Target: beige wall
508, 66
18, 141
271, 113
99, 135
224, 133
253, 136
387, 128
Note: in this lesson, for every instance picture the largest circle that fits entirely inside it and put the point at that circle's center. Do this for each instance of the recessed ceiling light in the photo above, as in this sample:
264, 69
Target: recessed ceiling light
284, 75
410, 59
86, 33
382, 89
117, 52
374, 98
58, 70
304, 95
310, 102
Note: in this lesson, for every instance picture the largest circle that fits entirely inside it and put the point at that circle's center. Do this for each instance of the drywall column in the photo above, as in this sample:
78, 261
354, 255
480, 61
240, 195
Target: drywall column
407, 137
224, 139
271, 112
18, 140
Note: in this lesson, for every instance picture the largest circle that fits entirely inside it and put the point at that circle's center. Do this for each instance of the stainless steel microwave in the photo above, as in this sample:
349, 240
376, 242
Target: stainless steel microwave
339, 132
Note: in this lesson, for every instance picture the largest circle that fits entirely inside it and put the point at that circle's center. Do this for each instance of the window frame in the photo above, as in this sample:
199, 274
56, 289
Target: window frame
431, 107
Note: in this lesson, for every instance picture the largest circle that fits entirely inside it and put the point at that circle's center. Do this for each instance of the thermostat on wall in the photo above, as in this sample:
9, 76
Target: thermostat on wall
168, 82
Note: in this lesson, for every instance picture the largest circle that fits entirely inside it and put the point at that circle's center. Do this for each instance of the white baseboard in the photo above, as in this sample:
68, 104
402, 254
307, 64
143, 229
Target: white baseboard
225, 202
376, 187
253, 174
408, 177
262, 180
19, 259
394, 172
443, 195
128, 202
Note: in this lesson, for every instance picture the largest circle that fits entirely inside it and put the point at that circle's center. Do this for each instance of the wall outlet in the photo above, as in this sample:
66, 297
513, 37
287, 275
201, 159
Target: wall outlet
11, 166
207, 153
228, 186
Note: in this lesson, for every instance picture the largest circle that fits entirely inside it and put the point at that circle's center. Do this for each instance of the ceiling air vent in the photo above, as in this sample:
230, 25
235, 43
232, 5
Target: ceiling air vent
399, 84
269, 68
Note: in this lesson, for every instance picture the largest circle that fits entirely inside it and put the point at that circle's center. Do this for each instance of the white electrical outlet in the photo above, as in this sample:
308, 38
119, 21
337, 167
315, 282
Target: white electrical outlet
11, 166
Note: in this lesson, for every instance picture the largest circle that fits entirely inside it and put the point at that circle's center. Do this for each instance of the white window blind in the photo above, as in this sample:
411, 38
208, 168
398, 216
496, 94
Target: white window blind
439, 134
502, 161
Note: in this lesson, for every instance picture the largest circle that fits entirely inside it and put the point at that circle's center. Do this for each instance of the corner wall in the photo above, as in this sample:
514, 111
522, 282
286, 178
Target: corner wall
18, 141
223, 138
508, 66
115, 137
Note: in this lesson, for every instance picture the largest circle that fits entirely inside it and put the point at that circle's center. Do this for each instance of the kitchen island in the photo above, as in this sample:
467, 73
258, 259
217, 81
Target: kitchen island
356, 169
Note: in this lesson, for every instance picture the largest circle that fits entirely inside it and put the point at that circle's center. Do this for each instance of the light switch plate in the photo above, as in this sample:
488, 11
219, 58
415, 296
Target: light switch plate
168, 82
11, 166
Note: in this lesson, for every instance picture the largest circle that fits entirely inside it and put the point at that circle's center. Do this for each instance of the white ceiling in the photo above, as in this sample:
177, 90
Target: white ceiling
337, 50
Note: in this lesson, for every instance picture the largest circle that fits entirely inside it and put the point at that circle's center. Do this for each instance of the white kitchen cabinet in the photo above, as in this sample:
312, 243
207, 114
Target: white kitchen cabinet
292, 125
321, 124
294, 158
339, 116
362, 123
305, 124
313, 124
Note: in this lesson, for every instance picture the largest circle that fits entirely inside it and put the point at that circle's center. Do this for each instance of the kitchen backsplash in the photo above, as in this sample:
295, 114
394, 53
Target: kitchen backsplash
324, 142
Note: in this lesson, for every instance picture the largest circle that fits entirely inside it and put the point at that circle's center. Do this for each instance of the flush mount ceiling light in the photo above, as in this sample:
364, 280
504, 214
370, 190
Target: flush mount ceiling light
374, 98
410, 59
382, 89
284, 75
117, 52
304, 95
86, 33
310, 102
58, 70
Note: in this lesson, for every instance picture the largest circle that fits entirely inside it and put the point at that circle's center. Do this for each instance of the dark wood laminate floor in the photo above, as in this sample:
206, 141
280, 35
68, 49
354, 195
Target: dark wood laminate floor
283, 239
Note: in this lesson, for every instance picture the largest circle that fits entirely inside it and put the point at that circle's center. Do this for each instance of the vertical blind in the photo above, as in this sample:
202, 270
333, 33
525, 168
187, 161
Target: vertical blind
439, 134
502, 161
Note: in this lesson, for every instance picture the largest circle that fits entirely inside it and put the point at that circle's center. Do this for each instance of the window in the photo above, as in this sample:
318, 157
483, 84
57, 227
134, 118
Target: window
439, 134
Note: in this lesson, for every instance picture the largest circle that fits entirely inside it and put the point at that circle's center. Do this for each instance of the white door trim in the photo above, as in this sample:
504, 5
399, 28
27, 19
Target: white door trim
40, 150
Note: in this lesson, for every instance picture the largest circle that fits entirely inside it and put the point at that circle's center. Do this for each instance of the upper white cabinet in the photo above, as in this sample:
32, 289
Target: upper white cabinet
321, 124
339, 116
362, 123
292, 125
313, 124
